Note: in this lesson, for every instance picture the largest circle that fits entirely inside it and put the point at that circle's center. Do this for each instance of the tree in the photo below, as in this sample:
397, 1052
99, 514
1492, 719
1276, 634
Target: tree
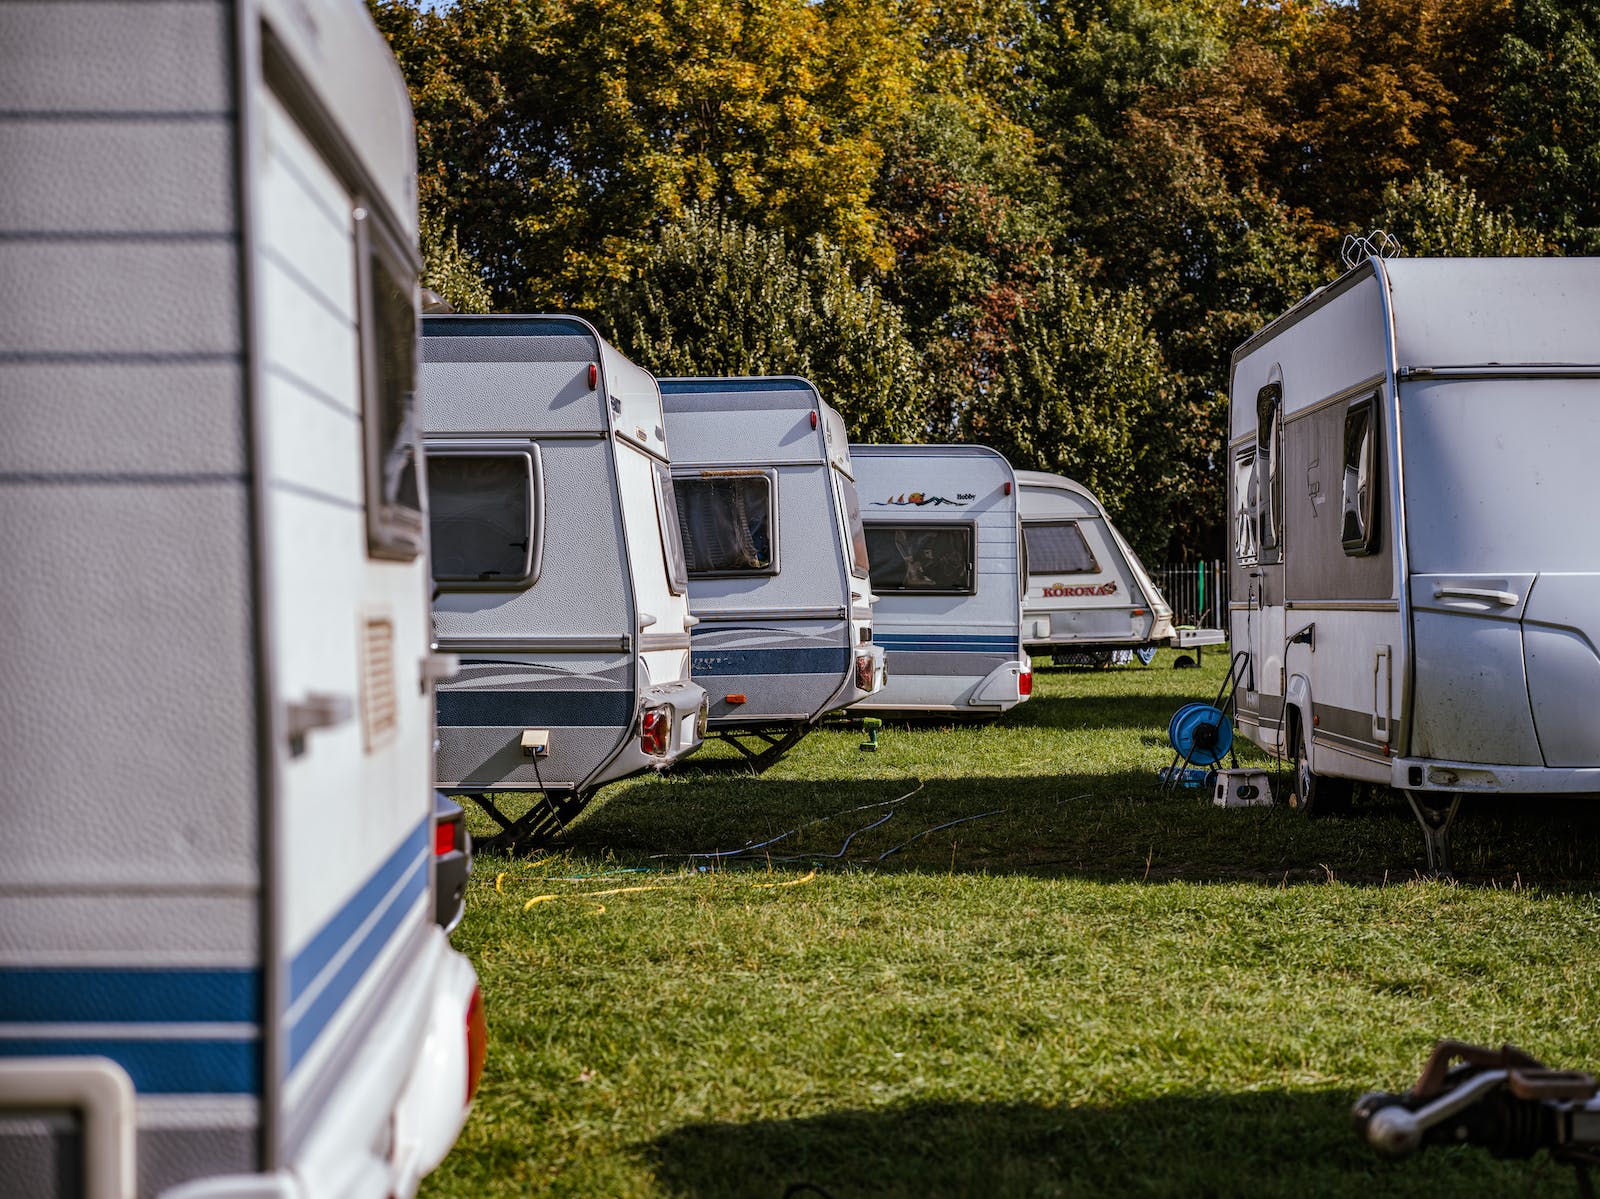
1076, 392
448, 269
717, 297
1433, 216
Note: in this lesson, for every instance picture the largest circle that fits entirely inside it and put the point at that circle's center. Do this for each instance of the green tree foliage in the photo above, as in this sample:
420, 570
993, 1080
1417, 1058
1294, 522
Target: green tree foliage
1433, 216
1549, 108
1076, 392
448, 269
911, 190
718, 297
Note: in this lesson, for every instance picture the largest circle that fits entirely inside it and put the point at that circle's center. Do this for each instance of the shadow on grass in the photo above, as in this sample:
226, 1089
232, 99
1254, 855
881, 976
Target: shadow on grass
1115, 827
1254, 1145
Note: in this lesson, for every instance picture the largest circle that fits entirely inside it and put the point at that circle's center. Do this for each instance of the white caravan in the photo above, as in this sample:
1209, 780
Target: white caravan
943, 541
777, 559
559, 572
220, 972
1088, 593
1415, 575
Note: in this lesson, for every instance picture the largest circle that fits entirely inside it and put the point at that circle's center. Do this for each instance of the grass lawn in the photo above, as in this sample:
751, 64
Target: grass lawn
1093, 989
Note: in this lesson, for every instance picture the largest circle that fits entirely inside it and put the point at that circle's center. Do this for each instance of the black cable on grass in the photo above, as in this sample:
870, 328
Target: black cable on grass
936, 828
752, 846
802, 1188
829, 857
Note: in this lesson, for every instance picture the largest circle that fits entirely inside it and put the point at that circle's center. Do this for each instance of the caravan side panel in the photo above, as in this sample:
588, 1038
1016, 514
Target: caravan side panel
129, 885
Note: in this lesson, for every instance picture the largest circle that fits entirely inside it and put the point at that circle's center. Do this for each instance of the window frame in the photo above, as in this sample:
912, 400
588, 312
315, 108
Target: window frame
529, 451
928, 526
1269, 444
711, 474
395, 531
1244, 519
1094, 562
841, 481
677, 558
1366, 512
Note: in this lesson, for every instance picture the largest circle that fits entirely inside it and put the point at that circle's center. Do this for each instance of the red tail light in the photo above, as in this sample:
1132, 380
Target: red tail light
1025, 683
477, 1042
655, 732
864, 673
444, 838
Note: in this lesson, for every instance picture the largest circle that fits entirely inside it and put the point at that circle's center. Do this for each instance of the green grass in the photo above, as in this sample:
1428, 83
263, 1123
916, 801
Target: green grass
1098, 990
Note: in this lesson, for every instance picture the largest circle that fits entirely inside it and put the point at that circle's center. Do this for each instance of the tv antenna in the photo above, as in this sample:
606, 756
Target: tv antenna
1358, 247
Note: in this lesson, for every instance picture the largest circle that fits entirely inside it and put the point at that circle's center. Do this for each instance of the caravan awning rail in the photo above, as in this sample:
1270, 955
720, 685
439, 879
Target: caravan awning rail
1502, 370
724, 615
536, 645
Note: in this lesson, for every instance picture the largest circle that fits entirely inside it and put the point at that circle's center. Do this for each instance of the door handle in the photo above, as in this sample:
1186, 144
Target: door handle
1382, 683
1506, 599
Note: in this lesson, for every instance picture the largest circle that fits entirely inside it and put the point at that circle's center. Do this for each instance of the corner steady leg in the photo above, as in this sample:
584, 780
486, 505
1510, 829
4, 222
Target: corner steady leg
1436, 821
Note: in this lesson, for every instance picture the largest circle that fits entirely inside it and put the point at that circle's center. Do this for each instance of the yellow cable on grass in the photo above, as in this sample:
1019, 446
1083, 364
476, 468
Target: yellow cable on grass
794, 882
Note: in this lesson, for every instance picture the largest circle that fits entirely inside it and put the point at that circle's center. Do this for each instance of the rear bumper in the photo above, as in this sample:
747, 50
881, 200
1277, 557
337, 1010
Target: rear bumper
1430, 774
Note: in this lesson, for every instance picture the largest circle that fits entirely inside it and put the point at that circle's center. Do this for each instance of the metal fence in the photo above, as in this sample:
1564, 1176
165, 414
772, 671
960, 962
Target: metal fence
1197, 591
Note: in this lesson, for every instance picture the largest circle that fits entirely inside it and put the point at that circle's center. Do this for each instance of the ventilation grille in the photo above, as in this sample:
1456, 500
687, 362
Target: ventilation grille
379, 712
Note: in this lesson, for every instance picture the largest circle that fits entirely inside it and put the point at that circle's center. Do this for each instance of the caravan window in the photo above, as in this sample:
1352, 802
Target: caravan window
671, 538
860, 563
482, 515
1246, 489
388, 315
924, 558
726, 523
1359, 481
1269, 458
1058, 548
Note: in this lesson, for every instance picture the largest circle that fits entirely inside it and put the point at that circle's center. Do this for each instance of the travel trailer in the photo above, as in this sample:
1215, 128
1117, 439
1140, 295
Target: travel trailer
777, 559
560, 578
943, 542
1088, 593
221, 972
1419, 605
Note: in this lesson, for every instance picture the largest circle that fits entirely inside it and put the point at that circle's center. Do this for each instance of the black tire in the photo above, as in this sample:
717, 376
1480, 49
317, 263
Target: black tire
1314, 795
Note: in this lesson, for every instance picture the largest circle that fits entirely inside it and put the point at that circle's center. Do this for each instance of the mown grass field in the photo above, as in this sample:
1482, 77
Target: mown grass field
1095, 989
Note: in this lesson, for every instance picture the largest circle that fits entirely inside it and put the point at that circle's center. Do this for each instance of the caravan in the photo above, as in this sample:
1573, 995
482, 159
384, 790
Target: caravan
221, 972
560, 577
1088, 593
943, 542
777, 559
1413, 575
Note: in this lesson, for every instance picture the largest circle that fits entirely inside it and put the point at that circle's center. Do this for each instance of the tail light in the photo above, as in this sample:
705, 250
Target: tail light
864, 672
444, 838
655, 732
477, 1042
1025, 683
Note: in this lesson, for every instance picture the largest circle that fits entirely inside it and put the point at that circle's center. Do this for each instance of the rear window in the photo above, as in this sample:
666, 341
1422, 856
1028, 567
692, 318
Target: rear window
726, 524
931, 559
1058, 548
481, 518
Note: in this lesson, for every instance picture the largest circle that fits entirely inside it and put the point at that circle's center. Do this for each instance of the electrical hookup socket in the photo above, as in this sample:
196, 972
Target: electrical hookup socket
536, 743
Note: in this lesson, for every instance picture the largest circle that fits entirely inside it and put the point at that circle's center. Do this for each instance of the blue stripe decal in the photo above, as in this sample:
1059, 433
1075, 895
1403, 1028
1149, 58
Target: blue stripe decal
162, 1067
308, 1026
458, 326
730, 386
712, 662
947, 644
332, 937
128, 996
535, 709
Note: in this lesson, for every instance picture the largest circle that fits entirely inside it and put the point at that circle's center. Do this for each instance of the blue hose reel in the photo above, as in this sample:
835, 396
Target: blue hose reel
1200, 734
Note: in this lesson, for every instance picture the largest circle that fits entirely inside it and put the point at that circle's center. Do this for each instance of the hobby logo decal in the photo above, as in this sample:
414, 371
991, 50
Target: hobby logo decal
922, 499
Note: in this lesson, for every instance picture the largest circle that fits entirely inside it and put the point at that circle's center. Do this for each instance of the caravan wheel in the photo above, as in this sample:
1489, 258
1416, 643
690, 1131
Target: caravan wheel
1314, 794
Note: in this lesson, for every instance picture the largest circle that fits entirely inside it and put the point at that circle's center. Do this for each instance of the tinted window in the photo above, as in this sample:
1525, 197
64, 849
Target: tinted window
480, 514
671, 538
1269, 454
928, 558
389, 355
1359, 481
1058, 549
726, 524
860, 562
